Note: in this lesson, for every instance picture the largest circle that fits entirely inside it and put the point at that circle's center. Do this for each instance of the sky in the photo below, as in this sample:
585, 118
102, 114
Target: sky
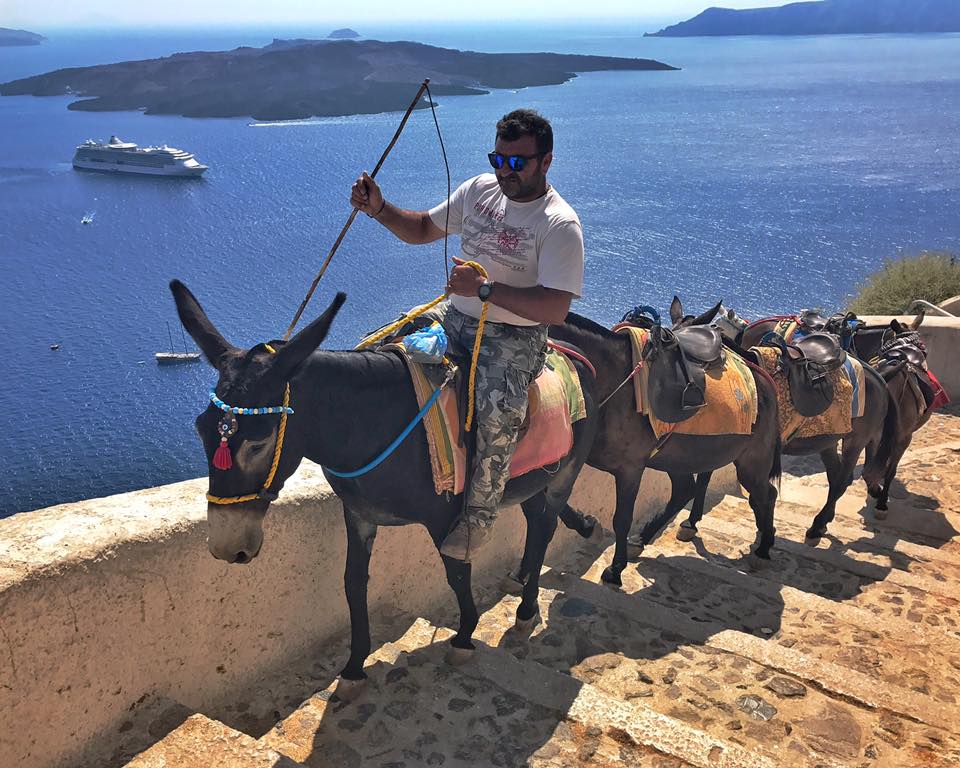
51, 14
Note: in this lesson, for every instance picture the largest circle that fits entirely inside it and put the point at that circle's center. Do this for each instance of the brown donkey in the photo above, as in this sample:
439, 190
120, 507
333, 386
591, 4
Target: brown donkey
626, 442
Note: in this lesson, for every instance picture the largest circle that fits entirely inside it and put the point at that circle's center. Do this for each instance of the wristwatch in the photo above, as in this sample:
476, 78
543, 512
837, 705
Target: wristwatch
484, 290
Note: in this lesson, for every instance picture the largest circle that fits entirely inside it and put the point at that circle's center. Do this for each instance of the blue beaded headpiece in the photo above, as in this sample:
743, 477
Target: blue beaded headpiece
247, 411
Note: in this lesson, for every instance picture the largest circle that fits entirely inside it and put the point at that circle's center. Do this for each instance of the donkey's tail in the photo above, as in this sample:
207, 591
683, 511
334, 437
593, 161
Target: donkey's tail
875, 470
776, 470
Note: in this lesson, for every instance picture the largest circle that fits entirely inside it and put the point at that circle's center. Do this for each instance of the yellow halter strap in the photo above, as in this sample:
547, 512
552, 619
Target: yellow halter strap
276, 455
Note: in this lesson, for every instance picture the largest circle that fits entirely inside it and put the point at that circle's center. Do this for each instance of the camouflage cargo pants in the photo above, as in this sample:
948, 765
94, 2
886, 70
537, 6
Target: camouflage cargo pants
511, 357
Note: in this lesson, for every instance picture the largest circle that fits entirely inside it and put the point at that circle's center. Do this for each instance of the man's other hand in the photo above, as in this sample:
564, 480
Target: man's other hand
464, 280
366, 196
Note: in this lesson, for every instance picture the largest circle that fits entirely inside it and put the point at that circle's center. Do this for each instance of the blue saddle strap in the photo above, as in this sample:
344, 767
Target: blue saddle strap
393, 446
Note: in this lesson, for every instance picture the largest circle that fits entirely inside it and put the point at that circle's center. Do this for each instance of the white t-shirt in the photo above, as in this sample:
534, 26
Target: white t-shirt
519, 244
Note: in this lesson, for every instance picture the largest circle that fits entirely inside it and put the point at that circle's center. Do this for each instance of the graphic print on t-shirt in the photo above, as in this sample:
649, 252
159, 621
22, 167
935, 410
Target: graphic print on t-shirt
485, 236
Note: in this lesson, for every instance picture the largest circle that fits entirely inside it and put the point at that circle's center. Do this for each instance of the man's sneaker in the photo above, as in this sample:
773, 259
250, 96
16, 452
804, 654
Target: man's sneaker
465, 540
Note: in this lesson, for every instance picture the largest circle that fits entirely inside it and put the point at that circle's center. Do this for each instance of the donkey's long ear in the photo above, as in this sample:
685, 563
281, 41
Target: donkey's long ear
897, 327
198, 325
707, 316
300, 346
918, 320
676, 310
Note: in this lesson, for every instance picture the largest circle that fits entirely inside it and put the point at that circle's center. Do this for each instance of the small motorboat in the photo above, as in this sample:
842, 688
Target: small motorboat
87, 219
54, 347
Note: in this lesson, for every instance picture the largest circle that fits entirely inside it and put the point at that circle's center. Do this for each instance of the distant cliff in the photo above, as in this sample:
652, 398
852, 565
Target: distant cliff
827, 17
19, 37
298, 79
344, 34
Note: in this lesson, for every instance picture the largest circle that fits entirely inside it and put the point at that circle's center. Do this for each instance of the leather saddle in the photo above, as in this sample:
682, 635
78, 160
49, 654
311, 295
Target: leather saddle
677, 377
904, 349
806, 365
842, 325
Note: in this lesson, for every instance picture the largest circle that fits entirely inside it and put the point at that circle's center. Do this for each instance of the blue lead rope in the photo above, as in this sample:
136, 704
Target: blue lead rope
393, 446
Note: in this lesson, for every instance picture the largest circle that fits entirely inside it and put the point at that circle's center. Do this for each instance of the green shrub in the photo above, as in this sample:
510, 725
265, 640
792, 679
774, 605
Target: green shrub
931, 276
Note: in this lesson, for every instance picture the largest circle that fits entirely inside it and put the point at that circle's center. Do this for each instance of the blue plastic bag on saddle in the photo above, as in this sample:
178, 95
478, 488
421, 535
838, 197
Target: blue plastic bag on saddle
428, 345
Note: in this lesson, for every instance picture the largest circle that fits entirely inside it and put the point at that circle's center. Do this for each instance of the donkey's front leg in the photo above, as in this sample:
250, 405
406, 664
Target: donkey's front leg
360, 537
628, 485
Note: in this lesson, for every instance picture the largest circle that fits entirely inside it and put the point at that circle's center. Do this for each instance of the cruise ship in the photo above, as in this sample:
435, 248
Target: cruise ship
119, 156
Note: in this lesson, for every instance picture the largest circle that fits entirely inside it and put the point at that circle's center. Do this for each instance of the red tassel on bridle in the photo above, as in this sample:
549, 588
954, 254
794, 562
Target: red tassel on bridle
222, 458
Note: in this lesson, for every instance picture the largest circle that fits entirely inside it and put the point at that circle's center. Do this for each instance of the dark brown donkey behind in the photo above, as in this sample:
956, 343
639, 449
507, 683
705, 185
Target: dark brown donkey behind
625, 441
871, 433
348, 407
903, 364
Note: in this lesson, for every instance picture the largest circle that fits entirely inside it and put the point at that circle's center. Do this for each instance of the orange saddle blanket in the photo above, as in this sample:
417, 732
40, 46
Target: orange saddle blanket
556, 403
731, 396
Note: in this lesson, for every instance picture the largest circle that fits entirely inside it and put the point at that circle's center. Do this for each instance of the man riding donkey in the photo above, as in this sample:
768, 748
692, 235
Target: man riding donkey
530, 242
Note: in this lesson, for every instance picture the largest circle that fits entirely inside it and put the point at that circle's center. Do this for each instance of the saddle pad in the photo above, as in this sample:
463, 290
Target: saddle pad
556, 403
848, 400
731, 396
940, 396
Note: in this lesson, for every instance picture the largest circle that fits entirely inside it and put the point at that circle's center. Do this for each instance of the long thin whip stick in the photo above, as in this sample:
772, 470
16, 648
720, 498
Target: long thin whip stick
353, 215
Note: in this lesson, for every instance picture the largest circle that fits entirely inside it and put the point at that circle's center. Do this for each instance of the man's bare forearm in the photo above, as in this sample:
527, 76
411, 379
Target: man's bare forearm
546, 306
413, 227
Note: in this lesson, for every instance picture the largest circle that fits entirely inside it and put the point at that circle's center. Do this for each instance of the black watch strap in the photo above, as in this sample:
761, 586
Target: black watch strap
483, 292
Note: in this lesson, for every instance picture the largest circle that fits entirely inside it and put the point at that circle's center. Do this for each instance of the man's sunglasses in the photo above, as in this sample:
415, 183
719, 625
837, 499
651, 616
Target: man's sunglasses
516, 162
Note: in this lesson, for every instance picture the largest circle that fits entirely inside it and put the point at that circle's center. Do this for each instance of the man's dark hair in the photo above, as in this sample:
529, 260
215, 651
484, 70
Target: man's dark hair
526, 122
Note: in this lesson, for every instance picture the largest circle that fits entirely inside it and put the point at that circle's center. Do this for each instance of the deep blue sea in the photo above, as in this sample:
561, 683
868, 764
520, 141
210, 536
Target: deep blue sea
771, 173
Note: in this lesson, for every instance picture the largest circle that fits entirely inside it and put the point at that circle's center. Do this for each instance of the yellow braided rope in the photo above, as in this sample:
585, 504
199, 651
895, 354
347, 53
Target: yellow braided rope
476, 354
384, 332
280, 434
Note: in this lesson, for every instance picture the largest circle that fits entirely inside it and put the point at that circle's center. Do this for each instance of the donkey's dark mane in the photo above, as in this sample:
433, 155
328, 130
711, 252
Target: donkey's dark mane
582, 323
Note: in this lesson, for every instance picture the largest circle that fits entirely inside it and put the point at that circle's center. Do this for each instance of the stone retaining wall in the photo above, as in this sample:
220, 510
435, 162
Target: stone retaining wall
106, 602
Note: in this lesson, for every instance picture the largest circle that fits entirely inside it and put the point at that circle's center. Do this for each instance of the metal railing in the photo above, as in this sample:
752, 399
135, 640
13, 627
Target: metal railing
929, 307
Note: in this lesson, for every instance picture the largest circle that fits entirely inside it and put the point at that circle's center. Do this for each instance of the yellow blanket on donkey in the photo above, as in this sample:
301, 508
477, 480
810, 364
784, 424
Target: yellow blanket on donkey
556, 403
848, 399
731, 396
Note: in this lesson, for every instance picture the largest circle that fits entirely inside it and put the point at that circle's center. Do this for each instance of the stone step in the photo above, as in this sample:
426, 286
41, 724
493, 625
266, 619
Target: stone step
869, 538
494, 710
202, 743
831, 574
923, 508
908, 654
776, 701
932, 527
883, 549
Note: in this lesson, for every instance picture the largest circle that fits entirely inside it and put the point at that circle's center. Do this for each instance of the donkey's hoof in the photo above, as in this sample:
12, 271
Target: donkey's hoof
881, 513
526, 626
686, 532
757, 563
513, 583
611, 577
350, 690
812, 539
457, 657
595, 530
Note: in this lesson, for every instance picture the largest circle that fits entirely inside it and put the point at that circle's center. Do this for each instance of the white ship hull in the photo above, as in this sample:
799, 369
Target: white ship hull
87, 165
